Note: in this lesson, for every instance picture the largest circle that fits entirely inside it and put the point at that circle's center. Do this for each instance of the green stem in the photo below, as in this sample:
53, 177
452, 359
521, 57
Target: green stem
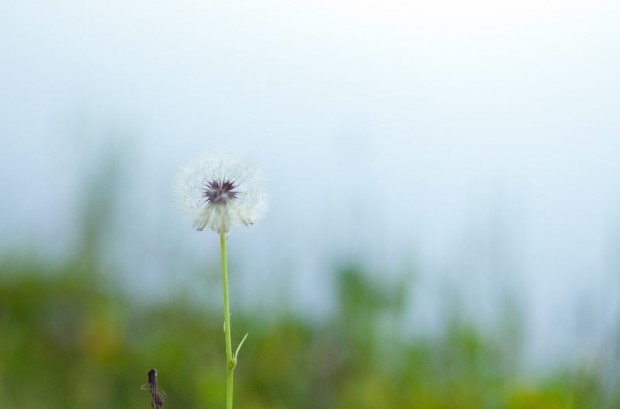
229, 356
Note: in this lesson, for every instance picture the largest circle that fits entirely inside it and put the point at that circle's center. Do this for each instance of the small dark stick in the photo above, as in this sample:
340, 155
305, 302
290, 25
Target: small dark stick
157, 395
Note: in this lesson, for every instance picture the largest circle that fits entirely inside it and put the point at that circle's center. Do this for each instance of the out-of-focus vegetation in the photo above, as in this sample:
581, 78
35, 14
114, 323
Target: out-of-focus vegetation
70, 340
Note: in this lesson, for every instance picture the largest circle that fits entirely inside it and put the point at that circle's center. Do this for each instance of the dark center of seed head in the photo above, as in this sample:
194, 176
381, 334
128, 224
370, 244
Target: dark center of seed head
220, 192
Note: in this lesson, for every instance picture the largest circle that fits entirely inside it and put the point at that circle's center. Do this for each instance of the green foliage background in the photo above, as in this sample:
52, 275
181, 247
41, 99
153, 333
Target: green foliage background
71, 340
70, 337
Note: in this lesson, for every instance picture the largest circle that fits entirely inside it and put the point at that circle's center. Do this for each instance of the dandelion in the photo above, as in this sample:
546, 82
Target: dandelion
220, 192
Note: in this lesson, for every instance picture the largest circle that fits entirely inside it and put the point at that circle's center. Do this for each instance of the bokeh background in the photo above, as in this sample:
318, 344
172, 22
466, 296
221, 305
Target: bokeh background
444, 214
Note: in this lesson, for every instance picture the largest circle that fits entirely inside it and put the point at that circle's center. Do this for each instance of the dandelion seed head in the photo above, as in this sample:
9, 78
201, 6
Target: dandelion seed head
219, 192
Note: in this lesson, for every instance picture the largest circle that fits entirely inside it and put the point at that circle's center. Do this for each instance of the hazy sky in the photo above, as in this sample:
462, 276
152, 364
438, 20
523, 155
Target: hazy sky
473, 139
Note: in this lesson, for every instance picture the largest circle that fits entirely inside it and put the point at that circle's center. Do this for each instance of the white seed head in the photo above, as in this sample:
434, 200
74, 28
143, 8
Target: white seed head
219, 192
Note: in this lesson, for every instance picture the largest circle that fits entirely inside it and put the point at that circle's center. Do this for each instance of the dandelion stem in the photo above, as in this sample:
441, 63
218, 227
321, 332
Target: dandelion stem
229, 356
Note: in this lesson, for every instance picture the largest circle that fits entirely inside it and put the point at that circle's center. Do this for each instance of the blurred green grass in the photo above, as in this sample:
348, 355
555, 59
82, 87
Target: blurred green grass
71, 338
